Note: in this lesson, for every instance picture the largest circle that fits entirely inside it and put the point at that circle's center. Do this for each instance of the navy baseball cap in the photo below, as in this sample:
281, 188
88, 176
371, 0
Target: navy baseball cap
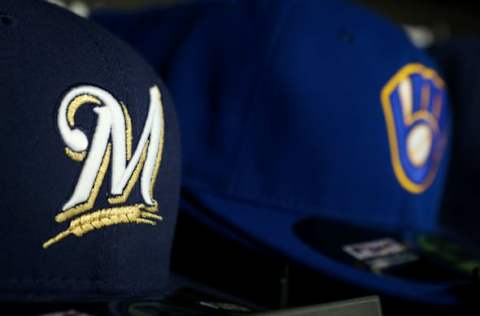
312, 127
91, 162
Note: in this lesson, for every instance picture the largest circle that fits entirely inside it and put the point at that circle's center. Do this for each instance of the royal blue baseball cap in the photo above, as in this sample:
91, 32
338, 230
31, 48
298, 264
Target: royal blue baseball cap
91, 162
311, 127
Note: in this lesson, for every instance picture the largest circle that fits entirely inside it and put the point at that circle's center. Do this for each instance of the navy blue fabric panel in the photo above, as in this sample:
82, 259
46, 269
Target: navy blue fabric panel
55, 51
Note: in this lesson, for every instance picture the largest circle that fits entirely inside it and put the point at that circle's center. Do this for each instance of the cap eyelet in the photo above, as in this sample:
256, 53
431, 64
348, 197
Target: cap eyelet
6, 20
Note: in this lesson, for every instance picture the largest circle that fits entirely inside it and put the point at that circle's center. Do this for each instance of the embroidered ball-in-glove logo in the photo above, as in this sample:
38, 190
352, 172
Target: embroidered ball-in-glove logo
414, 106
109, 149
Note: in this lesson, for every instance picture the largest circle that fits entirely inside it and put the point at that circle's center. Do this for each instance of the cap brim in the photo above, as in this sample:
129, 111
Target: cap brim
274, 228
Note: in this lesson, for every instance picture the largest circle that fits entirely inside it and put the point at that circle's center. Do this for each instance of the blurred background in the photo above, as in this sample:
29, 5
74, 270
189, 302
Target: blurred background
443, 17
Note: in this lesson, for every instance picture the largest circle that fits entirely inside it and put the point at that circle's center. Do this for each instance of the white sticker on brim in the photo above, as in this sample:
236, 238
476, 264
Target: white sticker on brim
375, 249
380, 264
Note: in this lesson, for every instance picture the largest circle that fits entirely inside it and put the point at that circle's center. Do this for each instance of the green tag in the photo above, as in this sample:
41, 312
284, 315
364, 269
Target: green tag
459, 257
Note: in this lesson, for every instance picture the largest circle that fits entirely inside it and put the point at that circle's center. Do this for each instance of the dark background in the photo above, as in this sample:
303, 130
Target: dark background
445, 17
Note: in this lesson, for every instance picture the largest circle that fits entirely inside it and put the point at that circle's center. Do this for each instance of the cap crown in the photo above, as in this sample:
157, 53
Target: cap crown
90, 161
316, 107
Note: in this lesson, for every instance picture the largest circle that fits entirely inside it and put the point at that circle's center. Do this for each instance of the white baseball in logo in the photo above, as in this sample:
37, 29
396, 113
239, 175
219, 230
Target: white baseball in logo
419, 144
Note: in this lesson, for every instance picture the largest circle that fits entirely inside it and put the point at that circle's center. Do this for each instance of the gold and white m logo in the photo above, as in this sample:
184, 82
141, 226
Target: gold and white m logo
111, 145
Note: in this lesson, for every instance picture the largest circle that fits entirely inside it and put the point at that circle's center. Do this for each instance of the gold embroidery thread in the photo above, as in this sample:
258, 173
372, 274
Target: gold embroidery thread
404, 73
76, 156
108, 134
76, 210
136, 214
128, 189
